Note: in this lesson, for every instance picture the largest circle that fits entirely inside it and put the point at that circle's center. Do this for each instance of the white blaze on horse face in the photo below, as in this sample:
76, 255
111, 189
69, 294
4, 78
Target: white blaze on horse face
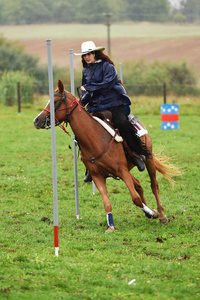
48, 105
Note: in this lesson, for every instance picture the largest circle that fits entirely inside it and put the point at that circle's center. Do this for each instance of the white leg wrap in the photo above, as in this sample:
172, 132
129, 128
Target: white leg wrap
148, 210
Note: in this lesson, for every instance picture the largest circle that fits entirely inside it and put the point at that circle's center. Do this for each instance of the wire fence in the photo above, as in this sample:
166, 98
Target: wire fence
161, 90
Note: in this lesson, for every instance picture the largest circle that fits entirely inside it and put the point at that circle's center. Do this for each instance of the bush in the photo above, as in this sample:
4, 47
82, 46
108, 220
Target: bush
13, 58
181, 78
9, 88
179, 18
144, 78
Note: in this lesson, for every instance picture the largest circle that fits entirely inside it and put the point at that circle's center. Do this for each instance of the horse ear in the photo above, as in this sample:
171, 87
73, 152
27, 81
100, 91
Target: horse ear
60, 86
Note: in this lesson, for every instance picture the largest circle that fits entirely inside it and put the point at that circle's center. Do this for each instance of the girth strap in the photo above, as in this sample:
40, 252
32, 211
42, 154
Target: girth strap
94, 159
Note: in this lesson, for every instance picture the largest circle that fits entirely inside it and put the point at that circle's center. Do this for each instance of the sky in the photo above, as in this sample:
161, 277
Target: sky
175, 3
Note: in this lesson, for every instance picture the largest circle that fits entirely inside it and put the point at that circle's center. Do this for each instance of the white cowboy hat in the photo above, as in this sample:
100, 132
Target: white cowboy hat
88, 47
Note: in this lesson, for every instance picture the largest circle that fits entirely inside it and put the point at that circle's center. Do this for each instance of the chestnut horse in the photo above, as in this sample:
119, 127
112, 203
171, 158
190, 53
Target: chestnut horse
103, 156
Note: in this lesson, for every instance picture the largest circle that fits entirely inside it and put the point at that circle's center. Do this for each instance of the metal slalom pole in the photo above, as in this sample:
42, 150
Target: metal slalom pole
120, 72
53, 143
74, 143
93, 187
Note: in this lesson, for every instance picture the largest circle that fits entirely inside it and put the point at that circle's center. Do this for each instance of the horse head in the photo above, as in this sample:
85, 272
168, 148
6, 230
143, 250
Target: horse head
62, 101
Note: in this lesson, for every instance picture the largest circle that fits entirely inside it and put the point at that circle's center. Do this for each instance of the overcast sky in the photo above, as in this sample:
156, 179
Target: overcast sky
175, 3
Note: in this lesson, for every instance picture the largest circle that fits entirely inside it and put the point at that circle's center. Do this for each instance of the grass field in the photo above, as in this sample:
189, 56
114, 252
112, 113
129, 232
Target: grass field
163, 260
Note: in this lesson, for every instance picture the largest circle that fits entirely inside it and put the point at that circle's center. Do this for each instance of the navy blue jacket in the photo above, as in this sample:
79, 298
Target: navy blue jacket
100, 79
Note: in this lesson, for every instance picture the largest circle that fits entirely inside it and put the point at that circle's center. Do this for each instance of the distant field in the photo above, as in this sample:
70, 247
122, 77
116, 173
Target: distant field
137, 30
162, 42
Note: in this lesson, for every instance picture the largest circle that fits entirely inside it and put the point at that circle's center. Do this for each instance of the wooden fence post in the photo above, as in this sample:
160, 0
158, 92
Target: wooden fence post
165, 92
19, 96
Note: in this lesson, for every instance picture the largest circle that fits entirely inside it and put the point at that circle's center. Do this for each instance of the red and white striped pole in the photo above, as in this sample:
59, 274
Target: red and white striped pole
53, 144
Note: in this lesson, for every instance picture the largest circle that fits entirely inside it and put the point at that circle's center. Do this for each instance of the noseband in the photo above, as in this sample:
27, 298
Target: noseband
57, 105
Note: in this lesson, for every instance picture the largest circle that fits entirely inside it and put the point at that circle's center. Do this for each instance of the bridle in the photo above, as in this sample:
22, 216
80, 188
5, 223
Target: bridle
57, 104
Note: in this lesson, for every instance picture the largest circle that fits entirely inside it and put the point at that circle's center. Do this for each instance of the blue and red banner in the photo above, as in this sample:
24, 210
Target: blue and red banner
169, 116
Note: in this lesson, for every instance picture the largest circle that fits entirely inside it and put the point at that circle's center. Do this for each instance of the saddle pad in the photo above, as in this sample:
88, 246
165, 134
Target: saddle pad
112, 132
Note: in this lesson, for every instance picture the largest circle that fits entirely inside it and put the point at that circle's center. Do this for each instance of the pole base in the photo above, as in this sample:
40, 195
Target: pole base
56, 251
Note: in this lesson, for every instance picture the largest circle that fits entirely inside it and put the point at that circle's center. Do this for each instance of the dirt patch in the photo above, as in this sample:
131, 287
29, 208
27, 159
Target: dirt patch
123, 49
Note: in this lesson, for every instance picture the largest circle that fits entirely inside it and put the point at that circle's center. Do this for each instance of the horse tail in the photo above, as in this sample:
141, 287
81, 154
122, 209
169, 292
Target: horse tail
166, 168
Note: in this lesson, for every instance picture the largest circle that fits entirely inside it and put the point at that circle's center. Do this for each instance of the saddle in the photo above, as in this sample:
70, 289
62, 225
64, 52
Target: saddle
106, 116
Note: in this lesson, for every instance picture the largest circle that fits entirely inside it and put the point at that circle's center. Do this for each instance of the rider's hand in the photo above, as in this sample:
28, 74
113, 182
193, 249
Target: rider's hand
82, 88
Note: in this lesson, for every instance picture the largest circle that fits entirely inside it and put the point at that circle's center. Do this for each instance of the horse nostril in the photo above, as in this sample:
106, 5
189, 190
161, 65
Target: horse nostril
35, 121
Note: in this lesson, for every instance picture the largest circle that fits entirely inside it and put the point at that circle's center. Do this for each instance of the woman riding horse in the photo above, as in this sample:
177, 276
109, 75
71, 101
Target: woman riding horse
102, 90
103, 156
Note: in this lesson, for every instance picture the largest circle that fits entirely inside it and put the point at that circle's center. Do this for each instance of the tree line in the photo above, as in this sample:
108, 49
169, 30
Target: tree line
14, 12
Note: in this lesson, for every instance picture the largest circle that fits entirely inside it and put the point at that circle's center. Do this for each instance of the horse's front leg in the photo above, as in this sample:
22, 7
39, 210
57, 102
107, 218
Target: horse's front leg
140, 191
100, 183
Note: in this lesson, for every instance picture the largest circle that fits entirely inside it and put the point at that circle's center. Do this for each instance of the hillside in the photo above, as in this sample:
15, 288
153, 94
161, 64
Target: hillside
122, 49
151, 41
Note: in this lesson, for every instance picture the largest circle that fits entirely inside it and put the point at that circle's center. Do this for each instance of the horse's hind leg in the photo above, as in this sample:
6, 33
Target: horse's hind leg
130, 182
100, 183
155, 189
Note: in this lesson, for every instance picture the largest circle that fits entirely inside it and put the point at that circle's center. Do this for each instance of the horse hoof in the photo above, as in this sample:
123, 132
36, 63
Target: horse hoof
164, 221
156, 213
111, 229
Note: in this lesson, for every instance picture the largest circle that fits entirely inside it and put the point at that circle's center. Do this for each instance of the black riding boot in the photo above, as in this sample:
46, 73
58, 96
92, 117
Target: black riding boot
127, 131
140, 164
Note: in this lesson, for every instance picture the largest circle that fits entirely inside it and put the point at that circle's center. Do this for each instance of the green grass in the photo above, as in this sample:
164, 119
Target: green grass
83, 31
91, 263
144, 105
